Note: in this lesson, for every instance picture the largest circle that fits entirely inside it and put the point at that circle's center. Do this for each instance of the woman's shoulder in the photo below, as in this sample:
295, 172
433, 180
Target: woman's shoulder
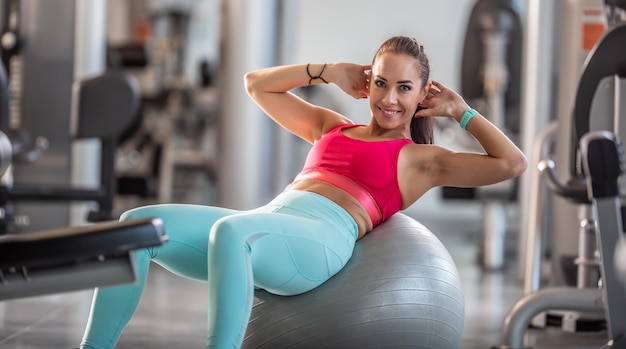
338, 123
422, 154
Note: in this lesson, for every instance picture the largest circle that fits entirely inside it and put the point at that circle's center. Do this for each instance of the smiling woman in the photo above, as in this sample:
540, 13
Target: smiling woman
419, 69
356, 177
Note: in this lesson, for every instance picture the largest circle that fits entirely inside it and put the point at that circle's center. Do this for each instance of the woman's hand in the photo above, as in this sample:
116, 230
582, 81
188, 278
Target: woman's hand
442, 101
502, 159
353, 79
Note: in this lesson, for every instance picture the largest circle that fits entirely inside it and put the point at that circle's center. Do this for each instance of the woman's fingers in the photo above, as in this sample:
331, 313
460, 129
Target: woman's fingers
439, 85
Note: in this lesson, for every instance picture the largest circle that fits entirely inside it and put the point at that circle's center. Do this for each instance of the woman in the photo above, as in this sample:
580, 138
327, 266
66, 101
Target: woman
354, 178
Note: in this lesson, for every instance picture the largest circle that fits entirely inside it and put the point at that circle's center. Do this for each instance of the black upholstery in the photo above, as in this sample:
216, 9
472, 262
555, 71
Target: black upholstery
105, 106
55, 246
606, 59
74, 258
492, 15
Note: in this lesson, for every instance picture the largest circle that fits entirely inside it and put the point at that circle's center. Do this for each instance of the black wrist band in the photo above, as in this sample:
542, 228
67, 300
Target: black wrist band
315, 77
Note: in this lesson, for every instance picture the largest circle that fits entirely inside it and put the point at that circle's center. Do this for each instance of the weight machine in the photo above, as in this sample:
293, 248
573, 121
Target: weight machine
595, 167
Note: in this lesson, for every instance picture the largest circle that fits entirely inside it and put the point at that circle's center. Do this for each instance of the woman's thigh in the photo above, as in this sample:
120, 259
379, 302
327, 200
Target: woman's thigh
187, 228
289, 254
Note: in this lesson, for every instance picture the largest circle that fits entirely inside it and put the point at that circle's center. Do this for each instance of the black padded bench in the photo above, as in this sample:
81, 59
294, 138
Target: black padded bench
68, 259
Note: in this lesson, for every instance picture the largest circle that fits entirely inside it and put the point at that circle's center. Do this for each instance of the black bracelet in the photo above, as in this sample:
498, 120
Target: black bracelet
315, 77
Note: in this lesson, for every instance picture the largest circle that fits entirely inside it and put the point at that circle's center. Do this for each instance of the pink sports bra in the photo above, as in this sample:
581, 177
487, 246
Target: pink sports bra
366, 170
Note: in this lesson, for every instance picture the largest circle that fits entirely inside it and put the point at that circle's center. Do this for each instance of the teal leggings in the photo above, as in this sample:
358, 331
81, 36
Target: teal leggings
287, 247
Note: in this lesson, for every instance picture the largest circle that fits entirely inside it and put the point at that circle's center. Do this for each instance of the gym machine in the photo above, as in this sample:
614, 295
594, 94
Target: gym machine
59, 260
490, 80
74, 258
603, 163
38, 262
170, 155
103, 107
594, 169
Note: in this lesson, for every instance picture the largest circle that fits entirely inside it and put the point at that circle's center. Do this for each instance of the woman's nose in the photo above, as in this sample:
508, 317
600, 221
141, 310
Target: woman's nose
390, 97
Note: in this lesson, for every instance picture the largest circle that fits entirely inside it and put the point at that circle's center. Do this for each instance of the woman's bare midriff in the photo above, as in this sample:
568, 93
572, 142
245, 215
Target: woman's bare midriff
338, 196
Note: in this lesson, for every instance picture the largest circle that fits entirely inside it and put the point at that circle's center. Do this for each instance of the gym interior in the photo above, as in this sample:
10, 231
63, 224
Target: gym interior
106, 105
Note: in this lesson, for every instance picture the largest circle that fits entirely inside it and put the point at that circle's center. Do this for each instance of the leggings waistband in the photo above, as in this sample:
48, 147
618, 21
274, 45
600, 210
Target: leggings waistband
349, 186
311, 204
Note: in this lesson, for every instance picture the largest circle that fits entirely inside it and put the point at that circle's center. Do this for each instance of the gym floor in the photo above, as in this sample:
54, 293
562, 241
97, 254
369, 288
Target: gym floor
172, 311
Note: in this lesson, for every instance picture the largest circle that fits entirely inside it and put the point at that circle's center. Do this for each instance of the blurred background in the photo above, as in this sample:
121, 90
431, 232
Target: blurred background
181, 128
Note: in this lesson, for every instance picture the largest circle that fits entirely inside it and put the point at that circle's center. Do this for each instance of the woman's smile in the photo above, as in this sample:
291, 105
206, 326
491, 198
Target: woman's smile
389, 112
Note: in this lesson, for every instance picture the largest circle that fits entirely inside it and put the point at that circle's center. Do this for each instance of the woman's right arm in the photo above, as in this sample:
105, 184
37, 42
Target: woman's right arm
270, 89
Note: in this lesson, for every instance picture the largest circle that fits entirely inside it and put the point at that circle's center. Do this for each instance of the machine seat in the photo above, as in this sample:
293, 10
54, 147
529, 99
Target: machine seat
74, 258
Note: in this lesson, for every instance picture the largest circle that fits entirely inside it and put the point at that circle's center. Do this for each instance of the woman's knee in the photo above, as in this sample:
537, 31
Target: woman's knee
140, 212
143, 212
227, 232
147, 253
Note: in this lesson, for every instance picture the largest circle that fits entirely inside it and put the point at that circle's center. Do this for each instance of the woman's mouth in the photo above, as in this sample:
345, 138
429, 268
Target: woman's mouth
388, 112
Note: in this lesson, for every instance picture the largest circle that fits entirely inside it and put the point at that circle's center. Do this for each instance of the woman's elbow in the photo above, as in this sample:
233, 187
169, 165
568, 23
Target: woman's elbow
518, 165
250, 82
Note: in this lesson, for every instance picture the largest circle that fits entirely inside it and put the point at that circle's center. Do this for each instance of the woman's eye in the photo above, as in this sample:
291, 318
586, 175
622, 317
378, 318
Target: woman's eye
380, 83
405, 88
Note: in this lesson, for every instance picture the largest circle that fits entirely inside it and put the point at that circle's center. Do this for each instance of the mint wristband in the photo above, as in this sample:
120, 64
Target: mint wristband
467, 116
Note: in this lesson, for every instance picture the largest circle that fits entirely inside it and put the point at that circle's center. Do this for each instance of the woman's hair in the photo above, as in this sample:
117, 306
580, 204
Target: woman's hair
421, 128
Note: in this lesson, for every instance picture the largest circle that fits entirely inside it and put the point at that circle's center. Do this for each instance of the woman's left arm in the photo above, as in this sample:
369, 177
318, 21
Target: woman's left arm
502, 159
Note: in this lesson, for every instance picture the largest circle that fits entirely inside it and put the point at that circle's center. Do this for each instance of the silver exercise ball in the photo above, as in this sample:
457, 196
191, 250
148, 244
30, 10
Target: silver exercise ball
400, 289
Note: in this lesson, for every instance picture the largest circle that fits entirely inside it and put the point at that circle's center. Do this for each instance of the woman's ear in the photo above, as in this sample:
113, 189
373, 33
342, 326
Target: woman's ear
429, 85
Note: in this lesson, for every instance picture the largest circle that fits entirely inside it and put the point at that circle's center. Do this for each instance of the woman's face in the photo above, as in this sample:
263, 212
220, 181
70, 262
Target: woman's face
395, 90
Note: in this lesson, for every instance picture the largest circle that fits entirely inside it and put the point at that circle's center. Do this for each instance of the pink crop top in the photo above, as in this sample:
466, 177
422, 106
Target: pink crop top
366, 170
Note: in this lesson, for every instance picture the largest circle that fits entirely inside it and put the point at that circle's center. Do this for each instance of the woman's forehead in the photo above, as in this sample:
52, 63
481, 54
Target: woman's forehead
396, 67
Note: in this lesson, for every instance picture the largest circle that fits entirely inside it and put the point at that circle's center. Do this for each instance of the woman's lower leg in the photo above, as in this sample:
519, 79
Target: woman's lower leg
187, 227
